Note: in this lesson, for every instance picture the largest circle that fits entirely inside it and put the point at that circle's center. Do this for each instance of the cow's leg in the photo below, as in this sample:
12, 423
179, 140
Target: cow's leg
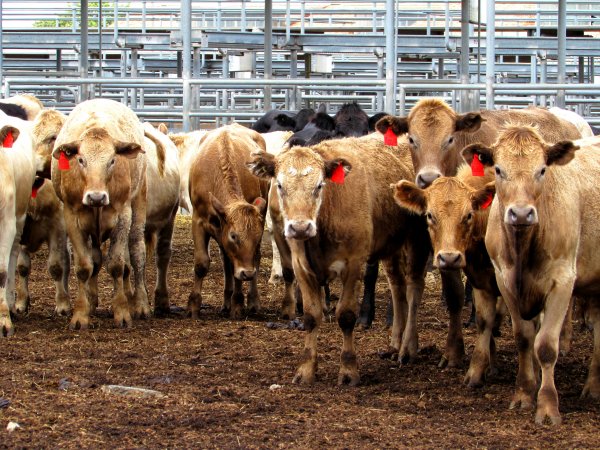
313, 316
7, 238
253, 294
546, 350
483, 354
367, 307
137, 254
454, 290
276, 268
59, 267
201, 266
415, 266
397, 284
115, 265
163, 258
525, 384
592, 384
288, 303
23, 270
93, 283
566, 332
84, 266
346, 312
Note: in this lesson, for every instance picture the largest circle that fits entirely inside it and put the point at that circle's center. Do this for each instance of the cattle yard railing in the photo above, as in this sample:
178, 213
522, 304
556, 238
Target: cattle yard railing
217, 101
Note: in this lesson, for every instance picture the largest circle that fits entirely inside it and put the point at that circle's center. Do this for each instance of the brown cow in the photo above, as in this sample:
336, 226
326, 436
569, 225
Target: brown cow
437, 134
99, 172
332, 230
542, 239
228, 205
45, 220
457, 224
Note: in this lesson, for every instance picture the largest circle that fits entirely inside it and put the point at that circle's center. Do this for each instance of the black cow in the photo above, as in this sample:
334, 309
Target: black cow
275, 120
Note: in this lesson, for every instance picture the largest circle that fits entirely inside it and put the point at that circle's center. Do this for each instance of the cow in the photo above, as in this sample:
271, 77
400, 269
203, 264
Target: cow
45, 219
584, 128
437, 134
542, 240
374, 119
17, 171
275, 120
320, 124
333, 229
163, 179
457, 210
229, 206
23, 106
99, 173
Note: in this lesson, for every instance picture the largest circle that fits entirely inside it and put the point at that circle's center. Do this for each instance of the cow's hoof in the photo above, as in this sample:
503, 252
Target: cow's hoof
404, 359
305, 374
348, 377
275, 279
390, 353
473, 380
142, 312
521, 400
62, 309
162, 311
236, 314
591, 390
122, 319
79, 322
7, 328
543, 416
22, 306
363, 323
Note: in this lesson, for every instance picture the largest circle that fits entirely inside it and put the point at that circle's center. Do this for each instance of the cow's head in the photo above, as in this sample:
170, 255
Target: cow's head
520, 159
454, 215
239, 227
97, 159
46, 127
432, 128
300, 175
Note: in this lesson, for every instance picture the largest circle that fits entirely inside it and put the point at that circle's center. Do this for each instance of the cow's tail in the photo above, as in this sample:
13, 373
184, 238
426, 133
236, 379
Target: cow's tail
160, 152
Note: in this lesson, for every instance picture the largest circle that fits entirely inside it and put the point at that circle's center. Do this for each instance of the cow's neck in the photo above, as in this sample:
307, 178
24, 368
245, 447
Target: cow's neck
232, 188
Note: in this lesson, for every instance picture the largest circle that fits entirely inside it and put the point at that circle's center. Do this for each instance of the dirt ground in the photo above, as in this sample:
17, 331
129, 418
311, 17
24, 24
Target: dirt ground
216, 375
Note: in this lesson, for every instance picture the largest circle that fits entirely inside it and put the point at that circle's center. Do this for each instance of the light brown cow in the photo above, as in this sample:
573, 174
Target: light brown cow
333, 229
457, 214
103, 188
31, 105
228, 205
436, 135
542, 238
17, 172
45, 220
161, 209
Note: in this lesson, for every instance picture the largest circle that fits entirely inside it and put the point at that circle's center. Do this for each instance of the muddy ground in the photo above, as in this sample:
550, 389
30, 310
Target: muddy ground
216, 376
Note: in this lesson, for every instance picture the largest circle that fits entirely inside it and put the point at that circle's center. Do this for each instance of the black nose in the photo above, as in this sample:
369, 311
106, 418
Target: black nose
449, 260
247, 275
521, 215
424, 179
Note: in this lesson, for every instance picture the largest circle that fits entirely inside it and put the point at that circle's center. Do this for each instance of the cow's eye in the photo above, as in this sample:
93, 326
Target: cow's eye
411, 140
499, 172
429, 217
112, 162
450, 140
233, 237
81, 161
320, 186
541, 173
469, 217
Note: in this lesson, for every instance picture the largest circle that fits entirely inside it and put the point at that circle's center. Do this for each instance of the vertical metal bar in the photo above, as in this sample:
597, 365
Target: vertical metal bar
83, 54
268, 52
100, 41
543, 77
124, 74
490, 54
374, 18
144, 16
380, 75
186, 32
390, 57
1, 47
441, 68
116, 20
134, 74
243, 24
302, 14
562, 51
58, 68
293, 75
225, 75
288, 20
591, 70
581, 71
464, 55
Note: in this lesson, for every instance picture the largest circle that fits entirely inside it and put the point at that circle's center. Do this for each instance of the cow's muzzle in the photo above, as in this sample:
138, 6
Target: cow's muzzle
300, 229
450, 260
245, 274
96, 198
425, 178
520, 216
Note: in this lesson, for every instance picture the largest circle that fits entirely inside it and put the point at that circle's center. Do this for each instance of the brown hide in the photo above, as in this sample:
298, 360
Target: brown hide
542, 237
46, 127
437, 133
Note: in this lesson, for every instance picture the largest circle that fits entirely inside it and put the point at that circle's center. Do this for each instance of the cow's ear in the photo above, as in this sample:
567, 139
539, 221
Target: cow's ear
322, 108
70, 149
283, 120
399, 125
469, 122
261, 204
217, 216
333, 164
263, 165
484, 154
408, 195
162, 127
481, 198
8, 135
128, 149
560, 153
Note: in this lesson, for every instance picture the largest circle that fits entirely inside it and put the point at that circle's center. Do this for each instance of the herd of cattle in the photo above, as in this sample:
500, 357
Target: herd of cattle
508, 197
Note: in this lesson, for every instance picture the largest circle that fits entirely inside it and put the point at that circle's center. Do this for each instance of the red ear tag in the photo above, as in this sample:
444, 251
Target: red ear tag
34, 191
63, 162
8, 140
389, 138
488, 202
338, 174
476, 166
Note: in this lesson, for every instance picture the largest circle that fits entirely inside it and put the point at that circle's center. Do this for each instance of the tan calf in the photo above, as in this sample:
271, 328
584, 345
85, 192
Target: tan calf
99, 172
333, 229
17, 172
542, 238
228, 205
457, 210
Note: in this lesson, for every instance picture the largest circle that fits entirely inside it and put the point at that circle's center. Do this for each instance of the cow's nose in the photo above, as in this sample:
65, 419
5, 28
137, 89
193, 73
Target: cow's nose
300, 229
95, 198
246, 274
449, 260
424, 179
521, 216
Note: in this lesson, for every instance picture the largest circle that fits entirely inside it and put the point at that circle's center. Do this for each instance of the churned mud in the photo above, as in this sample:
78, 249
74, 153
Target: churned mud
227, 384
